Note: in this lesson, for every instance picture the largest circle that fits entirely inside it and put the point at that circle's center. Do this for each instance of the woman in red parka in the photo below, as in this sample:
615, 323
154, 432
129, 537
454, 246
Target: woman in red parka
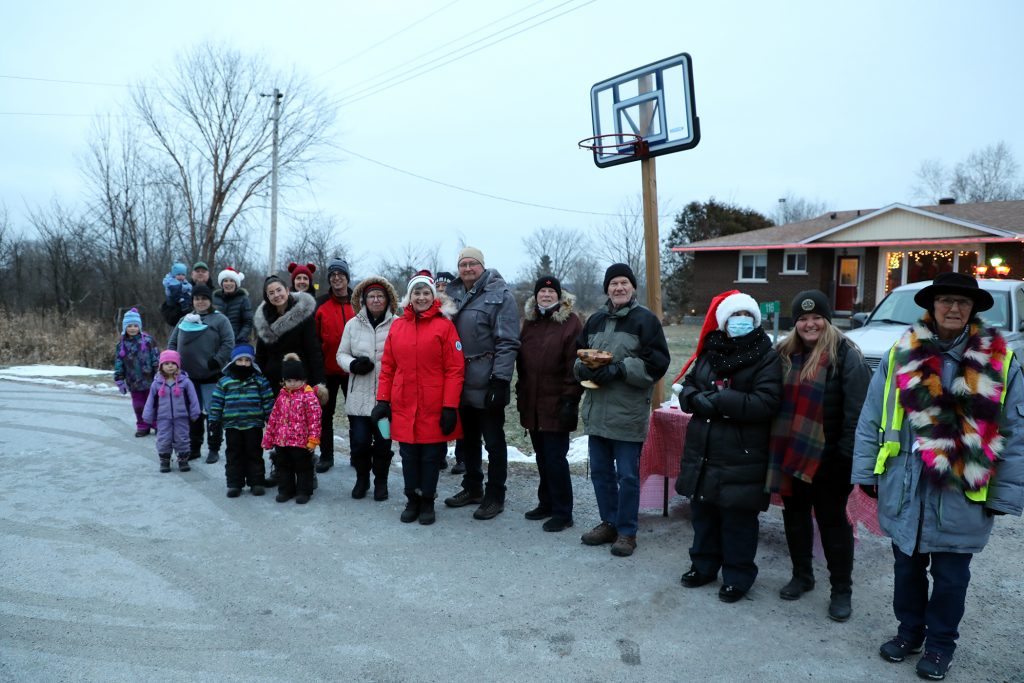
420, 383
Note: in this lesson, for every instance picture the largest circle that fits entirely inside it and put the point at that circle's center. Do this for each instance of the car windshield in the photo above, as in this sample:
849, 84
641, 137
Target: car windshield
899, 307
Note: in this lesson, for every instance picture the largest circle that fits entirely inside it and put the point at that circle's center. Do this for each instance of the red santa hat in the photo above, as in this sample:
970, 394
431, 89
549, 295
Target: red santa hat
230, 274
710, 324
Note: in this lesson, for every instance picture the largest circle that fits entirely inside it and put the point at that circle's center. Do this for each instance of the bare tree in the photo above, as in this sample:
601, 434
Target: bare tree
213, 134
318, 239
67, 244
621, 239
932, 181
989, 174
793, 209
561, 246
407, 260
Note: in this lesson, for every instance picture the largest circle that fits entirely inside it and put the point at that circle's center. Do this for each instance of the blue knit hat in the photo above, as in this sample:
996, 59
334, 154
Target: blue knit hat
179, 269
131, 317
243, 351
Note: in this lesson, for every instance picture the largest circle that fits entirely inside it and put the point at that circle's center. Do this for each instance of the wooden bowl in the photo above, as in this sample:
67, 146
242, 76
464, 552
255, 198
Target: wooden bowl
595, 358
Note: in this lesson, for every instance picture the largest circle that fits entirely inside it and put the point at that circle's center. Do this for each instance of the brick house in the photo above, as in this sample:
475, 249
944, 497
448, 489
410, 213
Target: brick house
856, 257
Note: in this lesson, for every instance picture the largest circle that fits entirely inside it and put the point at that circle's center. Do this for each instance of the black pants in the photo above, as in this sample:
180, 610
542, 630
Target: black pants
370, 451
334, 383
555, 489
935, 619
726, 539
826, 495
243, 459
420, 469
489, 425
214, 434
294, 470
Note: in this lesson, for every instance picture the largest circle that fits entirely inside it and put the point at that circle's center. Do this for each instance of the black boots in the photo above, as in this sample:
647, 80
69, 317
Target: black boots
381, 469
427, 515
362, 485
802, 582
839, 607
165, 462
800, 539
412, 508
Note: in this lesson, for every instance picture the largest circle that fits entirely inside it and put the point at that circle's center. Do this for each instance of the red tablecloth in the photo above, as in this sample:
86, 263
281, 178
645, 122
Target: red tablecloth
659, 467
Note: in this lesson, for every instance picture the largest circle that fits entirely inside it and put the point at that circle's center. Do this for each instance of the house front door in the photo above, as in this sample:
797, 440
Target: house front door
847, 277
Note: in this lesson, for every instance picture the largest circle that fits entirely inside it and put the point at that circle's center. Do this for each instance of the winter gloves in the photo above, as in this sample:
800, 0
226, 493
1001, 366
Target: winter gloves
362, 365
602, 375
449, 418
121, 386
702, 405
381, 411
497, 396
568, 413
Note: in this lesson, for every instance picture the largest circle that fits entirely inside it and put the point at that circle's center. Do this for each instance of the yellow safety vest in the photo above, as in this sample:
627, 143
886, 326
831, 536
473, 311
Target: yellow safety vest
892, 421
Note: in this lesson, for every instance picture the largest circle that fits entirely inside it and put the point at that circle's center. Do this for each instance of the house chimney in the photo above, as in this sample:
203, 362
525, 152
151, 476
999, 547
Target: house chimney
833, 215
947, 200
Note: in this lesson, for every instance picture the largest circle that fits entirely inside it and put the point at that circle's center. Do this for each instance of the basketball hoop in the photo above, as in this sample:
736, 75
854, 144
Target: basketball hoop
615, 145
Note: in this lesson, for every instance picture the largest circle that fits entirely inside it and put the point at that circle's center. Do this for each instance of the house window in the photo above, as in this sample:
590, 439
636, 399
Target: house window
794, 262
753, 266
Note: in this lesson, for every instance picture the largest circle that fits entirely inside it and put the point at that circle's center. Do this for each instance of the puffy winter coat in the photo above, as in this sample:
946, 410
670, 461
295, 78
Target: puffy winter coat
361, 338
846, 384
725, 457
488, 325
204, 352
135, 361
167, 403
238, 310
241, 403
421, 372
292, 332
332, 315
547, 353
634, 336
295, 420
914, 511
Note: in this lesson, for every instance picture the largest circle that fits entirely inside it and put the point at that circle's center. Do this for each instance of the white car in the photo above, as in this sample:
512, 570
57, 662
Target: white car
897, 311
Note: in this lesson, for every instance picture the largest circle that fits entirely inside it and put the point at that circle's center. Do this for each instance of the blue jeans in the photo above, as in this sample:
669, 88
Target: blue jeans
933, 620
615, 472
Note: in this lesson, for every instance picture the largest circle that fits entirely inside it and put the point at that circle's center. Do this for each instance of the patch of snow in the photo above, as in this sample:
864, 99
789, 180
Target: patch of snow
51, 371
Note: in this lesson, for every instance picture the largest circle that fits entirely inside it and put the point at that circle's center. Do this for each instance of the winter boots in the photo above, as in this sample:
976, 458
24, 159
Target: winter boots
412, 508
362, 485
427, 515
165, 462
381, 469
800, 539
183, 465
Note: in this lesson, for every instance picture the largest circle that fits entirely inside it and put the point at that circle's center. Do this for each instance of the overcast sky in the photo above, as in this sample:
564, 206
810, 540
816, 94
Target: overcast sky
832, 101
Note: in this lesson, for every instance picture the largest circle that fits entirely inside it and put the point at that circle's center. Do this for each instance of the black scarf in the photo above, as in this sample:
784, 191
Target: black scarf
728, 354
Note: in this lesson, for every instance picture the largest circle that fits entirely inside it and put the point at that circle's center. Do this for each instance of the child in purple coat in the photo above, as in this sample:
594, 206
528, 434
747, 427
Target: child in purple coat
172, 405
135, 361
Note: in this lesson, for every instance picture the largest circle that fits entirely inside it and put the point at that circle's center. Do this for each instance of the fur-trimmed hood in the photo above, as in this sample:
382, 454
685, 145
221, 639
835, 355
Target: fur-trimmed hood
270, 327
565, 308
357, 293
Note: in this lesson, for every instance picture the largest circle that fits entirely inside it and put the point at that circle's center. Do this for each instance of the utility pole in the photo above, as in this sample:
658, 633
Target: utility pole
277, 95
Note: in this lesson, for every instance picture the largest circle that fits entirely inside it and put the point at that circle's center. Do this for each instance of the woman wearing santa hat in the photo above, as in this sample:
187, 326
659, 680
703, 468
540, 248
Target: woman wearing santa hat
233, 301
733, 391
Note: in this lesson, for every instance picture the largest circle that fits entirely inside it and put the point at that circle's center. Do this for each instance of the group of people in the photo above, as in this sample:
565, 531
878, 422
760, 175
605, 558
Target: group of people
927, 434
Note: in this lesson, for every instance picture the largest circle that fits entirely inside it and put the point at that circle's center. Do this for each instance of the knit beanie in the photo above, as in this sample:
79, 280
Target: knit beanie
202, 290
200, 265
734, 304
548, 281
710, 324
179, 269
292, 367
297, 269
423, 277
169, 356
131, 317
444, 277
230, 274
618, 270
811, 301
243, 351
338, 265
473, 253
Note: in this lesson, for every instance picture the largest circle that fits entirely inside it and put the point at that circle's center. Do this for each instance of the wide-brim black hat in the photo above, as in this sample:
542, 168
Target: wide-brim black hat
955, 283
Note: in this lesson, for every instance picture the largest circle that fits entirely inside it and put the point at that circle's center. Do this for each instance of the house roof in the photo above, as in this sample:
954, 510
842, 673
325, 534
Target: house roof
1003, 220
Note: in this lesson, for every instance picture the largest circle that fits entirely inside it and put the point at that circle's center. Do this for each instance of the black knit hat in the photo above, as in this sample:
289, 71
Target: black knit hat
444, 276
811, 301
202, 290
618, 270
292, 368
548, 281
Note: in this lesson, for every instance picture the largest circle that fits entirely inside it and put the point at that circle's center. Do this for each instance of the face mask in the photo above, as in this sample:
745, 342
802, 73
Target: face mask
241, 371
739, 325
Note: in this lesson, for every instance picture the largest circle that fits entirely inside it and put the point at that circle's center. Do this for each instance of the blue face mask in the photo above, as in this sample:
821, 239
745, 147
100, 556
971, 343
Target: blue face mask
739, 325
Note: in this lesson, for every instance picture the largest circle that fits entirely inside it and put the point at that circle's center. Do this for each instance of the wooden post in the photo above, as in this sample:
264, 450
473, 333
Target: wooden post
652, 255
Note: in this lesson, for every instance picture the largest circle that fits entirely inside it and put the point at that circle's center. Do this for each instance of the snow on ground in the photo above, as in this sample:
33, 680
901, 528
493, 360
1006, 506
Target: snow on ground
55, 375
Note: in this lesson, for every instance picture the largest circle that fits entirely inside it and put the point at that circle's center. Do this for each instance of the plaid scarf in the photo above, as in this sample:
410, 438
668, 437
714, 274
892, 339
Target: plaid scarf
798, 431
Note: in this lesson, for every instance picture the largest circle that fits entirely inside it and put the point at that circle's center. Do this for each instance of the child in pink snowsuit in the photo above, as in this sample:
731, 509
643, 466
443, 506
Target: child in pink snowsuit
294, 429
172, 405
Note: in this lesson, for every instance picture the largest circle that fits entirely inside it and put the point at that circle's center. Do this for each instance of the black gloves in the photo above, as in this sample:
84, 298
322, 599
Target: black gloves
607, 373
870, 490
362, 365
497, 395
701, 404
448, 420
568, 414
586, 374
381, 411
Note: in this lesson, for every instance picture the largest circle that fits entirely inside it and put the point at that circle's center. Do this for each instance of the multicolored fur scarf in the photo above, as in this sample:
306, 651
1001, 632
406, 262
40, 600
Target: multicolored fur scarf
957, 429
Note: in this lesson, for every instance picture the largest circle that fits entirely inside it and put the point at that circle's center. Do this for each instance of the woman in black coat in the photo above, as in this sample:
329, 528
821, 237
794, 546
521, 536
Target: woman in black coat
733, 391
285, 323
233, 301
826, 380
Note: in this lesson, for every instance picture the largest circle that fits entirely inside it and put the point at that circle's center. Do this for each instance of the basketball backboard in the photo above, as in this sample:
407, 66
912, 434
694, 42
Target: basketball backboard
654, 102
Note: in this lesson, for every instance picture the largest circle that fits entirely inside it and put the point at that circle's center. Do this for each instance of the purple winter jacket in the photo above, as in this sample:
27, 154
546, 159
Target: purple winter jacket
169, 403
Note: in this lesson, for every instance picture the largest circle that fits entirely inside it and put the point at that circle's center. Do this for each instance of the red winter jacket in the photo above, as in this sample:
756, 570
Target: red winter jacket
295, 420
421, 372
331, 316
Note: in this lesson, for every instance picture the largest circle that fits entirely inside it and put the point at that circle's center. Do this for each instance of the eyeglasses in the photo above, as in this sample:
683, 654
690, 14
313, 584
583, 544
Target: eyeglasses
375, 297
951, 301
466, 265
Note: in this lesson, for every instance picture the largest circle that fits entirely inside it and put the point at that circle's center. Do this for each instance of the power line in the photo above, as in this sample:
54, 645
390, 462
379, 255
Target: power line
370, 90
384, 40
44, 113
66, 81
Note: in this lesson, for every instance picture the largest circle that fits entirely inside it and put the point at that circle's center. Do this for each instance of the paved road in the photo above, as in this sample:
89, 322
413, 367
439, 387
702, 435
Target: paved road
111, 571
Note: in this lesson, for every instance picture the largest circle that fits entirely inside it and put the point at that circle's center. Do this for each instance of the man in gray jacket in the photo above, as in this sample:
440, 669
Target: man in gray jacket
488, 326
616, 415
940, 443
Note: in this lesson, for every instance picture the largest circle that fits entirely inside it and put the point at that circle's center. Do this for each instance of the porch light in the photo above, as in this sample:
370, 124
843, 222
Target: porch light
980, 270
999, 267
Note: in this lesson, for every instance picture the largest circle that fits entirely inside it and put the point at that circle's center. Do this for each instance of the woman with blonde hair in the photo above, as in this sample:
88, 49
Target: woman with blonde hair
811, 447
